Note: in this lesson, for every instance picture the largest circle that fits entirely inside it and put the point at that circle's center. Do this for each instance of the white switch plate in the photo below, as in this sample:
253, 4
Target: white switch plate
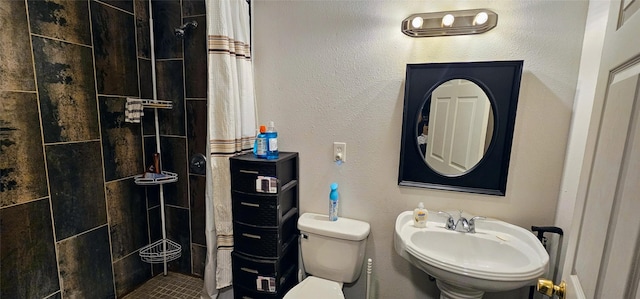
340, 151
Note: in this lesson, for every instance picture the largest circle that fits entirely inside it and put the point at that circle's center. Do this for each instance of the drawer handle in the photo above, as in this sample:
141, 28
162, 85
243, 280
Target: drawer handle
251, 236
249, 171
249, 270
248, 204
245, 297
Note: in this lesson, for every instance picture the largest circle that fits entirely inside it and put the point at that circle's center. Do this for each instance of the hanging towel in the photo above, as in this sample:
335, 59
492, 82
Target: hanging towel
133, 110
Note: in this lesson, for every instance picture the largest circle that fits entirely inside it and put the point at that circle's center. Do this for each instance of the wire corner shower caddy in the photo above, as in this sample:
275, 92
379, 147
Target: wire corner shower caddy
163, 250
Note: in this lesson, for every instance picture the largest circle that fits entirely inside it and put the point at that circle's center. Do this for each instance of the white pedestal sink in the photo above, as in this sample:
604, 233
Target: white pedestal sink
498, 257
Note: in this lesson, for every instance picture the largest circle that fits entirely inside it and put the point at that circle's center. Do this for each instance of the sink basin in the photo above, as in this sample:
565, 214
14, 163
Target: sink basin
498, 257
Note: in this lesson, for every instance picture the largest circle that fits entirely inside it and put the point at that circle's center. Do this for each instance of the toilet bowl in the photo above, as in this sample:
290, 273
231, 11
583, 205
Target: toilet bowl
316, 288
332, 254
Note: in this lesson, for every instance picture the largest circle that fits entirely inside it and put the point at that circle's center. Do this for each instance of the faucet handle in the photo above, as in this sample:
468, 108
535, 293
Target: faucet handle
472, 223
450, 222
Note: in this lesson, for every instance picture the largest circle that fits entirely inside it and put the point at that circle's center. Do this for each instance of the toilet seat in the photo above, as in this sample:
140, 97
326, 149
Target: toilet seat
316, 288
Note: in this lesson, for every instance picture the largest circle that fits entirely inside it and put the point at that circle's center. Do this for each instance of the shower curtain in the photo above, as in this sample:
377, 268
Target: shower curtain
231, 129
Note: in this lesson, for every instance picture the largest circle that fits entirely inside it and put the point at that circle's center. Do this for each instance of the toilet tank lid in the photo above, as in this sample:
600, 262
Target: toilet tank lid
343, 228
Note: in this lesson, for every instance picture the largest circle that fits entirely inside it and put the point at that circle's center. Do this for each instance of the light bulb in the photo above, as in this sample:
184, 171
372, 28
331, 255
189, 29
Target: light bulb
481, 18
417, 22
447, 20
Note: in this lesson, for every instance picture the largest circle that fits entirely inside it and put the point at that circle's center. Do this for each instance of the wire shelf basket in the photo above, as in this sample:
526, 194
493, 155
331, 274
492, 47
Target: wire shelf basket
149, 178
155, 252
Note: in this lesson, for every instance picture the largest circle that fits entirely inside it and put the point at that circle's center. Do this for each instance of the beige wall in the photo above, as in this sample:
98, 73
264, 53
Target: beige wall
334, 71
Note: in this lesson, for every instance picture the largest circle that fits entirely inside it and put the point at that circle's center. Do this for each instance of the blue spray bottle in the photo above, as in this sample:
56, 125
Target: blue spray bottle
333, 202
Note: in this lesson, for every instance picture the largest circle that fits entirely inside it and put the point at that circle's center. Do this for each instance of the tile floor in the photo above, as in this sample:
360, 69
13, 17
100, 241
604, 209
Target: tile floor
172, 286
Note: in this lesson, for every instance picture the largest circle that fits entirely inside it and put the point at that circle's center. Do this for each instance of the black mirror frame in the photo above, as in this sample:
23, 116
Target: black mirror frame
500, 80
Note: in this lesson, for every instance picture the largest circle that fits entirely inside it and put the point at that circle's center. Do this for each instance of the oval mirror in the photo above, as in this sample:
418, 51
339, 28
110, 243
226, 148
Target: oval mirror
455, 127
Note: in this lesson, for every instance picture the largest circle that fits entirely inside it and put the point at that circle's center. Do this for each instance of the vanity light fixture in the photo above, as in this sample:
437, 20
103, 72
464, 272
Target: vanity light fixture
446, 23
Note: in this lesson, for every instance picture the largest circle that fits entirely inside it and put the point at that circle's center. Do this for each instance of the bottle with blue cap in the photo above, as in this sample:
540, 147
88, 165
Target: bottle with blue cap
260, 144
272, 142
333, 202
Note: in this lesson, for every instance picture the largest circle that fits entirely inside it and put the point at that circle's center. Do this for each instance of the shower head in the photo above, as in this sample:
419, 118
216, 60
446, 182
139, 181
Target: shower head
180, 32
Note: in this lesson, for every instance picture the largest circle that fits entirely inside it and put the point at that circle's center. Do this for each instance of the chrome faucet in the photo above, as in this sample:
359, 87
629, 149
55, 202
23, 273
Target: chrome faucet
471, 223
468, 225
451, 224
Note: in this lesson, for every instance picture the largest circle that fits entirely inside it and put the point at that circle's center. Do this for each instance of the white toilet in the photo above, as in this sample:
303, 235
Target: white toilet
332, 252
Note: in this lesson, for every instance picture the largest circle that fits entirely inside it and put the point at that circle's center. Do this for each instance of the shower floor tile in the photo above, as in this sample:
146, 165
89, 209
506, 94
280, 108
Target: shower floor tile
172, 286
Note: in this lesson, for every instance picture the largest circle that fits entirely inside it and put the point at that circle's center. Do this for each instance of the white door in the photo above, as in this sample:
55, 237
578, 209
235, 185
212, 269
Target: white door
458, 120
603, 254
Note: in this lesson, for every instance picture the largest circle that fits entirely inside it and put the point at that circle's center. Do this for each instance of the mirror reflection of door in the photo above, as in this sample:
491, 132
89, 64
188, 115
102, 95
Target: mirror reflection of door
459, 127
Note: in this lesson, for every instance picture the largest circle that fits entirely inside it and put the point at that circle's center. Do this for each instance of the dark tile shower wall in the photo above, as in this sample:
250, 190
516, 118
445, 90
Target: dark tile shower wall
72, 220
182, 78
195, 77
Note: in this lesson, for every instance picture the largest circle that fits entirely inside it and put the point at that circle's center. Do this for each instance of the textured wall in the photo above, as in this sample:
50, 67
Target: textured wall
70, 214
334, 71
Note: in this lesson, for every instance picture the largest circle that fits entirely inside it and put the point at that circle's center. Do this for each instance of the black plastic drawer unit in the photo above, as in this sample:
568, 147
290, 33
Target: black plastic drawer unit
261, 275
264, 242
246, 169
265, 214
264, 209
288, 282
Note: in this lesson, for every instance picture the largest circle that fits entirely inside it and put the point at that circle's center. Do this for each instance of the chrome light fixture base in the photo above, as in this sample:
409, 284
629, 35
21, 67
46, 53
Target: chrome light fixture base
447, 23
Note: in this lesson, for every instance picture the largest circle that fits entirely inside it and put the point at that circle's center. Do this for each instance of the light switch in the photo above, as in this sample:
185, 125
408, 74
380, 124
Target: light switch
340, 151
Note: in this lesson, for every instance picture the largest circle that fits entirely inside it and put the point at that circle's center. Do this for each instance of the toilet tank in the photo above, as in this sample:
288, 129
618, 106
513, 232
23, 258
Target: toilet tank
333, 250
